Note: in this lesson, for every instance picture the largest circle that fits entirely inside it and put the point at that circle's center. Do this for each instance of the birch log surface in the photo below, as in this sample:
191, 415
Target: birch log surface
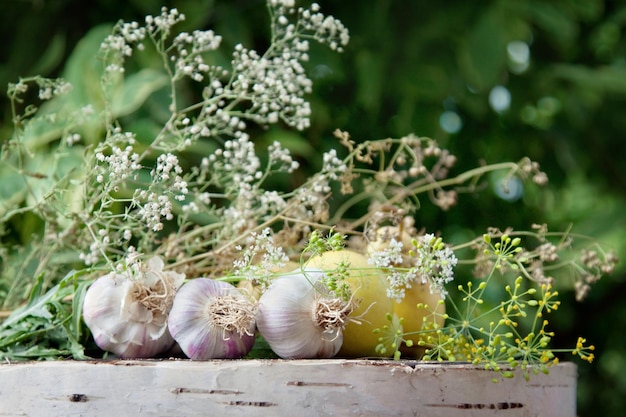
283, 388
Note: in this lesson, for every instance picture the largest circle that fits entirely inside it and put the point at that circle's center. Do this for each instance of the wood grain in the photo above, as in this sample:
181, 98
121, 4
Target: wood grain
283, 388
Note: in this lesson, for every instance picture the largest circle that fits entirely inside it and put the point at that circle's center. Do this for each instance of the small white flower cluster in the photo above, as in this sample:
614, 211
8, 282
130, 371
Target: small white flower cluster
162, 24
332, 166
433, 264
281, 158
236, 165
72, 139
311, 22
130, 33
118, 44
93, 256
332, 169
190, 47
156, 207
260, 258
49, 88
325, 29
435, 261
237, 168
120, 164
154, 203
391, 258
15, 89
271, 203
167, 171
214, 120
399, 281
275, 84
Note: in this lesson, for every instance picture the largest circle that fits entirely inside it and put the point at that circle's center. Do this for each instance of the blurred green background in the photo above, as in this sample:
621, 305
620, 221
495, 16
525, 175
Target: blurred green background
491, 80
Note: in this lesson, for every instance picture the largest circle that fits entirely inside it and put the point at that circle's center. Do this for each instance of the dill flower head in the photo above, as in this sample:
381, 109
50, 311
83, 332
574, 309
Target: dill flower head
435, 261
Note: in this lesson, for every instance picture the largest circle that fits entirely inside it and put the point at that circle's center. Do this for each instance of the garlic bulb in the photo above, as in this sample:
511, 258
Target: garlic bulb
299, 319
126, 312
212, 320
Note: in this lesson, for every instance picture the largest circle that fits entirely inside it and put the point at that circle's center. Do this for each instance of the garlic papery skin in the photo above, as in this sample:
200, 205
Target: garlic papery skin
299, 318
212, 320
126, 311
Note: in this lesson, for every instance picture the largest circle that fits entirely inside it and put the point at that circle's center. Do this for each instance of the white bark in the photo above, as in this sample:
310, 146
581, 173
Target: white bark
282, 388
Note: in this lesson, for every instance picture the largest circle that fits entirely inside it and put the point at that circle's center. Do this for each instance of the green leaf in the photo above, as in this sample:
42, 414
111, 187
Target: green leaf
483, 56
80, 291
36, 306
556, 22
52, 56
607, 79
371, 77
136, 89
83, 70
12, 189
47, 327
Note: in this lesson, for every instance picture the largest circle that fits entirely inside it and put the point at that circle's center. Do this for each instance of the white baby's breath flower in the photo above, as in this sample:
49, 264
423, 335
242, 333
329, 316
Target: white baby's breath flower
156, 208
72, 138
163, 23
333, 166
281, 157
260, 258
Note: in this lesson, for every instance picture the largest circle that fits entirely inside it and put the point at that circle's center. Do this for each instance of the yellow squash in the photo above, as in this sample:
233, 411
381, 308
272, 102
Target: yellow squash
419, 294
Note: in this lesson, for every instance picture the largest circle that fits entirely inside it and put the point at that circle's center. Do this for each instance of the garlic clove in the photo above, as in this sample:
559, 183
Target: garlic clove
286, 317
126, 312
212, 320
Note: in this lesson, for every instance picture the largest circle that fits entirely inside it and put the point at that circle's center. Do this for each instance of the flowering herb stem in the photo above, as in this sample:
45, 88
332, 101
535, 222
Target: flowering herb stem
108, 198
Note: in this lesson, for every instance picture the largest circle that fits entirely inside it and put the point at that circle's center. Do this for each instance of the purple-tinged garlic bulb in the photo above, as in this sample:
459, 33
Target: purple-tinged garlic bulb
212, 320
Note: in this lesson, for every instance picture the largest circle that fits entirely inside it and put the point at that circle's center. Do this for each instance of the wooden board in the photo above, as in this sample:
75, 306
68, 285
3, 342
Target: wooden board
301, 388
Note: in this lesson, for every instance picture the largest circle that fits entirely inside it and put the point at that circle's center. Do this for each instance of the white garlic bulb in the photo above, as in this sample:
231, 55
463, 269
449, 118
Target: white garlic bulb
126, 312
212, 320
298, 317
